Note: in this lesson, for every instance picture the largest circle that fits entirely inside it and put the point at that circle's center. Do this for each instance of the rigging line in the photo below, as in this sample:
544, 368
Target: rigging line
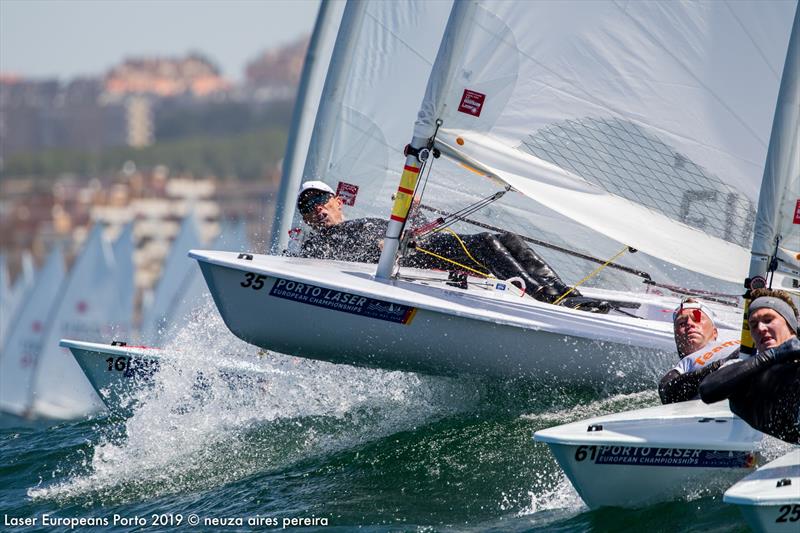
590, 275
544, 244
647, 279
434, 254
462, 214
464, 247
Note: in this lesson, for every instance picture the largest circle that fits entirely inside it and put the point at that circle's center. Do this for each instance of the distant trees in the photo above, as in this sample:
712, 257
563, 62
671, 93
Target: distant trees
220, 139
247, 156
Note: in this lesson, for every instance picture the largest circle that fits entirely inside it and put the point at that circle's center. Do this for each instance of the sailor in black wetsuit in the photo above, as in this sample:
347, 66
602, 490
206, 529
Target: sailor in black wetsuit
502, 255
764, 389
700, 351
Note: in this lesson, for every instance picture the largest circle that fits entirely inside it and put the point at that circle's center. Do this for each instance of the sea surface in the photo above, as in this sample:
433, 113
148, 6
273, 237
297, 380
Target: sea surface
334, 447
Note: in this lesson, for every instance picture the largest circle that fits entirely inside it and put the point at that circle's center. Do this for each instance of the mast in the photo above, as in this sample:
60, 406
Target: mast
782, 169
319, 150
305, 109
443, 73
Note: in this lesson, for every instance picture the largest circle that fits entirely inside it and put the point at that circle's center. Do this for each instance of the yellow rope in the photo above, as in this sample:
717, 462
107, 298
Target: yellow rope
465, 267
464, 247
590, 275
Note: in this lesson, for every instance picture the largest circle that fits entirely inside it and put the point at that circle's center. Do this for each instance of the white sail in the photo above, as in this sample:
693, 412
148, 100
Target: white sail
89, 298
176, 268
5, 296
382, 57
24, 343
14, 296
124, 270
192, 293
778, 217
306, 104
645, 121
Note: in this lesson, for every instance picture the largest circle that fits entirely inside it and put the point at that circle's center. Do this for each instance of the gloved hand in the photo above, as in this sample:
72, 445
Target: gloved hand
784, 353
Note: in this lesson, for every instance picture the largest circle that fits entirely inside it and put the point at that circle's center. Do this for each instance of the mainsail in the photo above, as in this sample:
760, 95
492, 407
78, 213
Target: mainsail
312, 78
647, 122
381, 59
191, 293
777, 232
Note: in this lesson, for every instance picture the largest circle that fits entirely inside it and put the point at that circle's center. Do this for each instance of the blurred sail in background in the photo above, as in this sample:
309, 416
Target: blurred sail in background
124, 273
191, 294
177, 269
24, 343
13, 296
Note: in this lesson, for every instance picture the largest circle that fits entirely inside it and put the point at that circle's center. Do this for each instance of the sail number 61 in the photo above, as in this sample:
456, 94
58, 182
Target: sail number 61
583, 451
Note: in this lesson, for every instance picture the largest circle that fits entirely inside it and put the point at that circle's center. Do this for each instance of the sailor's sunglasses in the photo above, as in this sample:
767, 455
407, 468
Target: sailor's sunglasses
694, 307
311, 200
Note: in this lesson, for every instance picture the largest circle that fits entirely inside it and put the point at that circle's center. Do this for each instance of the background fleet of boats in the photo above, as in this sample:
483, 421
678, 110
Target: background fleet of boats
93, 300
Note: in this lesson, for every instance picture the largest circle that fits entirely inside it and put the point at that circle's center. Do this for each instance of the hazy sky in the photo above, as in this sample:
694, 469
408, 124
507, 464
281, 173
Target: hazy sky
47, 38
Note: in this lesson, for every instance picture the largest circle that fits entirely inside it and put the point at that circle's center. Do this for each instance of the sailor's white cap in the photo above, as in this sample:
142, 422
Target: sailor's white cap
315, 184
692, 304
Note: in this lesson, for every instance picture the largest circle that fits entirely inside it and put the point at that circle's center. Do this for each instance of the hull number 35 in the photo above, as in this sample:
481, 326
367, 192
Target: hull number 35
253, 281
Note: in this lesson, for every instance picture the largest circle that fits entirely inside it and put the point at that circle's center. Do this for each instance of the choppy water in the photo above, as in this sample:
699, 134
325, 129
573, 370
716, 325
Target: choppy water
385, 451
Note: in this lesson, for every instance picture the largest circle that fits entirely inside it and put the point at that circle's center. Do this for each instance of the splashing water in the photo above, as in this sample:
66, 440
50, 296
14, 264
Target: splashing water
199, 426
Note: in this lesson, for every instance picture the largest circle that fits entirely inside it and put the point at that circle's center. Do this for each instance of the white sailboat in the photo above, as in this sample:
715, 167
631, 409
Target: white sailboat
119, 373
83, 308
640, 94
775, 248
655, 454
24, 343
769, 498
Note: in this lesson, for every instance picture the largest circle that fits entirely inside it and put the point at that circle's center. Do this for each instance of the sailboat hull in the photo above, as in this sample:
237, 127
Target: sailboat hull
338, 312
769, 498
119, 374
115, 372
653, 455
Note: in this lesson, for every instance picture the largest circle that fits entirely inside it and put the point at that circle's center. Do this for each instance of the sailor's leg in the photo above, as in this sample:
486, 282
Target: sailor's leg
488, 249
553, 285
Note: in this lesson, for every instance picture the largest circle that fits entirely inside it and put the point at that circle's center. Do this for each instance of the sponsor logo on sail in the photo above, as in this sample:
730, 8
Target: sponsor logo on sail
471, 103
347, 192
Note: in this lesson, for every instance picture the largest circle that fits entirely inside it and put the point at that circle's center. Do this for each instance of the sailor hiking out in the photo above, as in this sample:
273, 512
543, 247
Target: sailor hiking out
504, 255
700, 351
764, 389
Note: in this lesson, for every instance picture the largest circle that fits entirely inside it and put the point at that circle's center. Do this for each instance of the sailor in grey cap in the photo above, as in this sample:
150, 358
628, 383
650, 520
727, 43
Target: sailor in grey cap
764, 390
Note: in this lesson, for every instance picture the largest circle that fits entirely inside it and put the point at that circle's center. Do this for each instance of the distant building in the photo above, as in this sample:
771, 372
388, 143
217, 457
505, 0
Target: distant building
276, 73
139, 115
194, 74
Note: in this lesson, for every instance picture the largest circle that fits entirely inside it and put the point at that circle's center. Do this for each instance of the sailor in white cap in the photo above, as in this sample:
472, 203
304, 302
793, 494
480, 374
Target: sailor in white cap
700, 352
503, 255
